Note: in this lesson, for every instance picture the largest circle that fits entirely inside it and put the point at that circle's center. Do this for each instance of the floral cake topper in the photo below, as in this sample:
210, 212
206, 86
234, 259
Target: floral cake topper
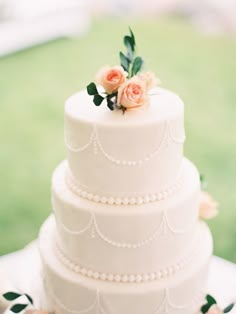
125, 87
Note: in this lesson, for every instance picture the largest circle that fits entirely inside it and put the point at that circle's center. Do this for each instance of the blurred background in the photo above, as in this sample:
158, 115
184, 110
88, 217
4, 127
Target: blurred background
51, 49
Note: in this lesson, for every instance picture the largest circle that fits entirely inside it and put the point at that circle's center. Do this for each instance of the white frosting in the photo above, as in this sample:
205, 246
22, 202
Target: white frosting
141, 149
69, 292
126, 238
133, 200
136, 277
141, 239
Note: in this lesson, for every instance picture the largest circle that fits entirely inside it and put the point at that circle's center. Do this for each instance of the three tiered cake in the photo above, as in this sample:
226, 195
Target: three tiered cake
125, 237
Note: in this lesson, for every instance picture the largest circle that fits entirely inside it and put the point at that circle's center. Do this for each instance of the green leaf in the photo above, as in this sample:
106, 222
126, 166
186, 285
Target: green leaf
17, 308
137, 65
228, 308
129, 41
29, 298
205, 308
98, 99
132, 36
124, 62
210, 300
110, 104
129, 45
10, 296
130, 52
92, 89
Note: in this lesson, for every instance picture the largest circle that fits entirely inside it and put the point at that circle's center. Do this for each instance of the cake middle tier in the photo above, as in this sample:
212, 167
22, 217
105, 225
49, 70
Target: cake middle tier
154, 238
118, 157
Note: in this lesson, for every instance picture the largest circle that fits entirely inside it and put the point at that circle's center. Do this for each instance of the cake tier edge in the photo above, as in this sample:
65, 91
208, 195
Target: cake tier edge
163, 233
68, 292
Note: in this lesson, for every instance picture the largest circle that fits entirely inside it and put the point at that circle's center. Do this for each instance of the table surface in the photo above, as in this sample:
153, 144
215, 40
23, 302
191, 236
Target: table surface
21, 271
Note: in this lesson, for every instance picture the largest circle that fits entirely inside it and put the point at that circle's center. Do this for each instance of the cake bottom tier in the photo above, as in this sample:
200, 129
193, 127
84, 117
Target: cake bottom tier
70, 293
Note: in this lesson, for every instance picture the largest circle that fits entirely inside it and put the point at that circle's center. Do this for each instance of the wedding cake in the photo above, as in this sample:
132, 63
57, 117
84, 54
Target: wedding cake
125, 236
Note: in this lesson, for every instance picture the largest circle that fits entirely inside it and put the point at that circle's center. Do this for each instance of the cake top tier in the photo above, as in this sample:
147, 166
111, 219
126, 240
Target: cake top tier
164, 106
125, 158
124, 136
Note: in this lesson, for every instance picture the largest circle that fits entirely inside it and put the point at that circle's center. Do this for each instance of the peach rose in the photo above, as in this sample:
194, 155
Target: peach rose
149, 79
132, 93
214, 309
111, 78
207, 206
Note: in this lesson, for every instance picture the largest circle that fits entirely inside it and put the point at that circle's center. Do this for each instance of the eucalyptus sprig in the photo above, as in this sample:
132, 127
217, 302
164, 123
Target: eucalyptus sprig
131, 64
92, 91
98, 98
210, 301
18, 307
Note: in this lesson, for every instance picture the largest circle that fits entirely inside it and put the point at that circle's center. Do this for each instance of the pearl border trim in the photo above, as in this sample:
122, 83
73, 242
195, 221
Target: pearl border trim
125, 278
136, 200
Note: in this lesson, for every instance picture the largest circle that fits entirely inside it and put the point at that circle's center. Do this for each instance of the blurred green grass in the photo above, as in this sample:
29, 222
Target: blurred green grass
35, 83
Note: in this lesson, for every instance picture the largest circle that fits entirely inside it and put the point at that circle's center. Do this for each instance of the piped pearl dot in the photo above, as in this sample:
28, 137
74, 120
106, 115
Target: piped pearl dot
125, 201
165, 194
132, 200
139, 200
96, 198
152, 276
110, 200
110, 277
138, 278
103, 199
103, 276
165, 272
89, 196
124, 278
153, 197
96, 275
77, 268
146, 277
118, 201
83, 194
177, 267
117, 278
89, 273
146, 199
131, 278
128, 246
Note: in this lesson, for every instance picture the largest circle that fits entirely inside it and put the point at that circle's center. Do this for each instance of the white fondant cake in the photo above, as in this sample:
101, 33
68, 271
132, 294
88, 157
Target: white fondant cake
125, 237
